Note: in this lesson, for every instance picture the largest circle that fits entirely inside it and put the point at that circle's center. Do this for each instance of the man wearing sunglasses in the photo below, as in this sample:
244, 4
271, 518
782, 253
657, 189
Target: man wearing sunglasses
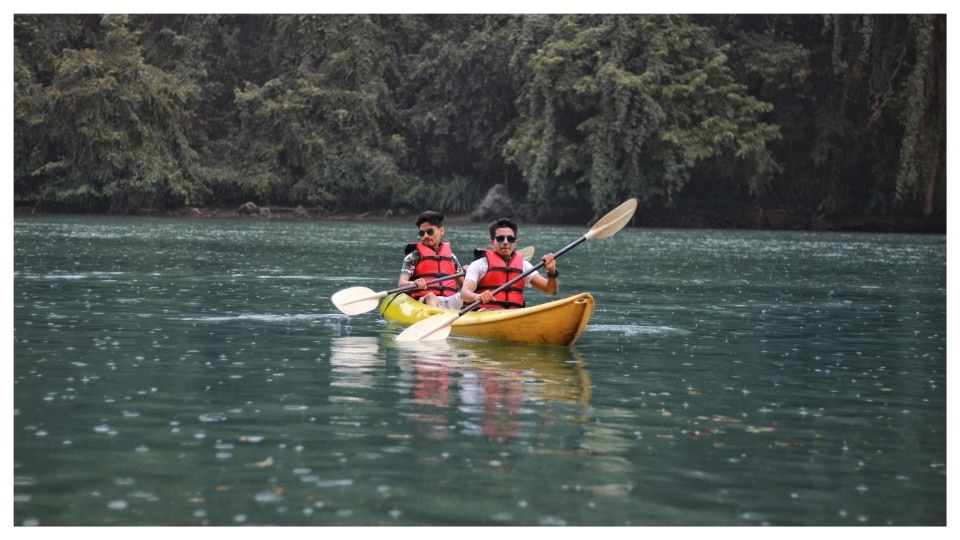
428, 259
502, 263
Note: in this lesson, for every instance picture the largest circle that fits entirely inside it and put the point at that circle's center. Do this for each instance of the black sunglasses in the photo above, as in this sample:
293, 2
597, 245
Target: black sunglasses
501, 238
427, 232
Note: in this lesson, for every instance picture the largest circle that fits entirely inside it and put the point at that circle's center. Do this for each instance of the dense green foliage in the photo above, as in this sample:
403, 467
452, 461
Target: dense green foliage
395, 113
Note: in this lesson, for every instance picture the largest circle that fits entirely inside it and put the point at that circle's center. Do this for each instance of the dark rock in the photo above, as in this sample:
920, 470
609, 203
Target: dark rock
496, 204
248, 209
301, 213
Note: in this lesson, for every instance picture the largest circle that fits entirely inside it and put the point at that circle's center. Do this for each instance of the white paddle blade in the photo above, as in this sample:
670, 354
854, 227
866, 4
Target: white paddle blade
615, 220
527, 253
356, 300
434, 328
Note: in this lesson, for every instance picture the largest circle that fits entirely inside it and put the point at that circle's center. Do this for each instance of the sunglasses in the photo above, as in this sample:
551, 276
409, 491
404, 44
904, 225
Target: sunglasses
428, 232
501, 238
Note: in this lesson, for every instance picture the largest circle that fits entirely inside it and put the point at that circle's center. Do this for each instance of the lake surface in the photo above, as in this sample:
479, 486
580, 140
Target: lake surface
194, 372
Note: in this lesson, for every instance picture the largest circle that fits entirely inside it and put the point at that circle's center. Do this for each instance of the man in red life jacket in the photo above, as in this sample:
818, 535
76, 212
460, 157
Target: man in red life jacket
428, 259
501, 264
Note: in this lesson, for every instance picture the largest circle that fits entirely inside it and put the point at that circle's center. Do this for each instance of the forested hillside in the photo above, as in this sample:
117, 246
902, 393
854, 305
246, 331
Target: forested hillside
819, 117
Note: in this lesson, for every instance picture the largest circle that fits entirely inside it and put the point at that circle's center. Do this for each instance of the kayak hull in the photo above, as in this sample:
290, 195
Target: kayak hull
560, 322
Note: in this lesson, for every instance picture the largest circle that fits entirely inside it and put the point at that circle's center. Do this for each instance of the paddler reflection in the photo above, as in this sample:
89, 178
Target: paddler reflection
493, 384
355, 362
546, 373
426, 374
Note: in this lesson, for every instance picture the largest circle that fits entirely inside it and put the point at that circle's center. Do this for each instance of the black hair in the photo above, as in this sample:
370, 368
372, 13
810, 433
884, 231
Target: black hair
500, 223
434, 218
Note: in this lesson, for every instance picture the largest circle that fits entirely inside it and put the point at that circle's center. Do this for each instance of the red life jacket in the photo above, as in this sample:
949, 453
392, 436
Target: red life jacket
498, 273
434, 264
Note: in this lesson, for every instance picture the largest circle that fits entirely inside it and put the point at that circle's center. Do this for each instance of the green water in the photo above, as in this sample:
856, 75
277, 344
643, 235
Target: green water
194, 372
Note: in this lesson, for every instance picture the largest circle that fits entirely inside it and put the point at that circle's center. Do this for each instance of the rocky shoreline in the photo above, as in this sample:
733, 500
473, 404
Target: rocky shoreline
687, 218
674, 218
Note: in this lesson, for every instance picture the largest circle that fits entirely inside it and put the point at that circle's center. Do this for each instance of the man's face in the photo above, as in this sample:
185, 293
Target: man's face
503, 241
430, 235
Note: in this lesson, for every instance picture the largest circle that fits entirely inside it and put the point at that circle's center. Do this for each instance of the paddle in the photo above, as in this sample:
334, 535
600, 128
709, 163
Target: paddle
438, 326
357, 300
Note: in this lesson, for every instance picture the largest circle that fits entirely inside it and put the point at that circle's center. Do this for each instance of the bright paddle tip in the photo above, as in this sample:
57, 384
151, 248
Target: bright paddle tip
355, 300
357, 307
351, 292
432, 329
615, 220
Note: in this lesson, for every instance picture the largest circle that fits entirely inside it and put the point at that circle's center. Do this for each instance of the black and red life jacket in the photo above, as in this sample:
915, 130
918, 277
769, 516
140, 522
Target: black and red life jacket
499, 272
434, 264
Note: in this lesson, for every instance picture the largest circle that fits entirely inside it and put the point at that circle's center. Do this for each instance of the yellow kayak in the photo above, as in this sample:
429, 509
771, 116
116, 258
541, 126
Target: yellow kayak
560, 322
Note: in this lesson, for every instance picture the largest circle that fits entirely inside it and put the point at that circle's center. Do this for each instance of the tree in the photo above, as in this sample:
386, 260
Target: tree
815, 114
860, 100
114, 130
923, 162
457, 105
323, 129
618, 106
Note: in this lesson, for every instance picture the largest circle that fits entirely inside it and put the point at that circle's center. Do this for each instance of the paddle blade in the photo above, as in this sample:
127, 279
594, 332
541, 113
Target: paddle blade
434, 328
613, 221
356, 300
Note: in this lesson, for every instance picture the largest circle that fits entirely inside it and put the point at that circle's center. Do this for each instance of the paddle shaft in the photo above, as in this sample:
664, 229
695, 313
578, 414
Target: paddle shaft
431, 282
536, 267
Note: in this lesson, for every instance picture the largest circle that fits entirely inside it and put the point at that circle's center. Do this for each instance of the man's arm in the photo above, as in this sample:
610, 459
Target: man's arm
549, 285
406, 271
474, 272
